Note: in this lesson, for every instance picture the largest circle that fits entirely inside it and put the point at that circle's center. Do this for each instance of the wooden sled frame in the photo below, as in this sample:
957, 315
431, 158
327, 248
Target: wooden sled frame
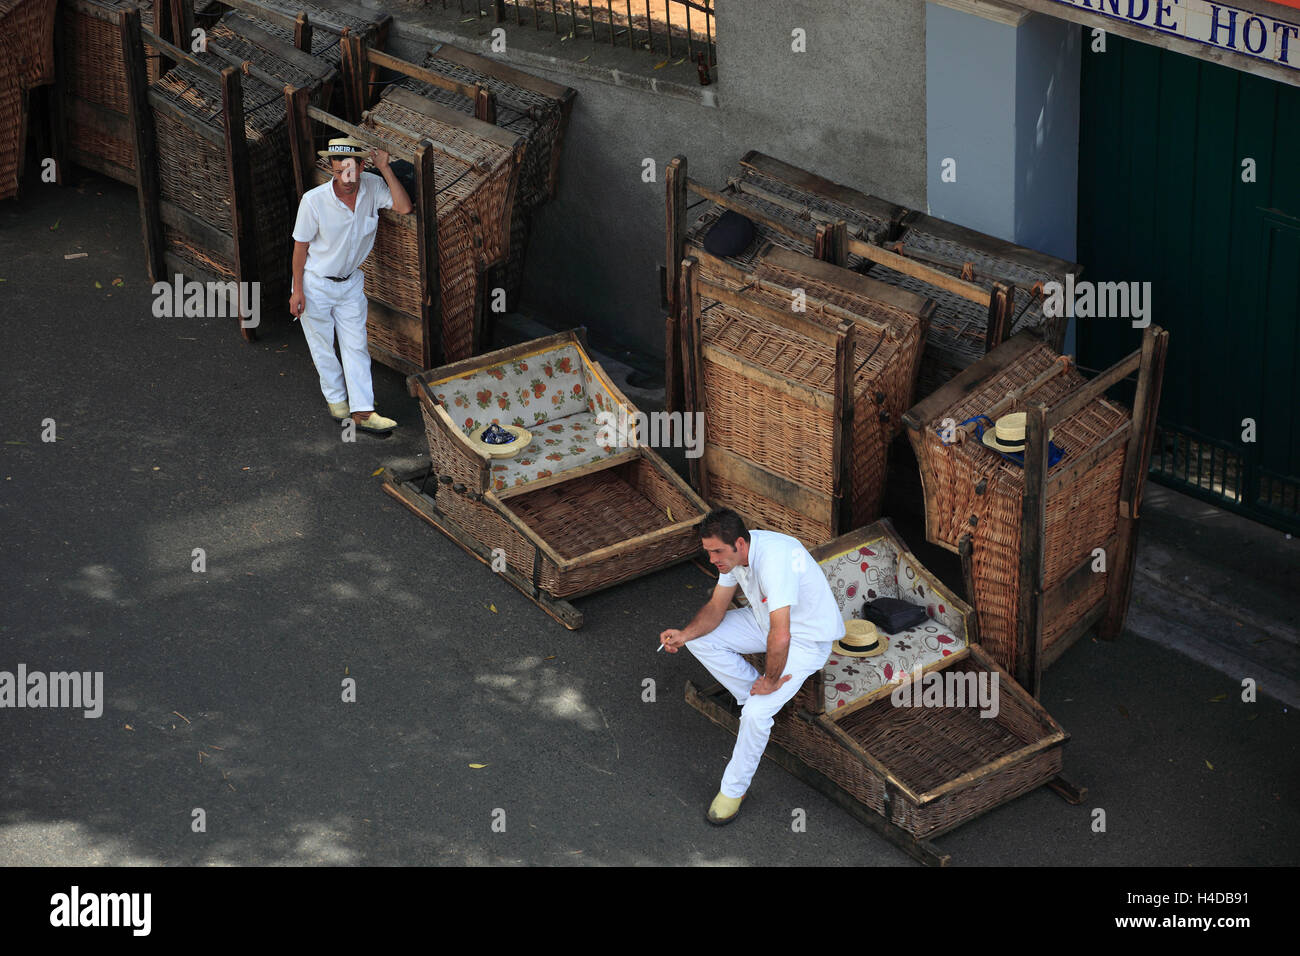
1038, 604
419, 327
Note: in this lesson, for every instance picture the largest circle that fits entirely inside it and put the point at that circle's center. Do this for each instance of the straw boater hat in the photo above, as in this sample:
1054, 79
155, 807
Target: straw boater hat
1008, 433
861, 639
503, 441
344, 147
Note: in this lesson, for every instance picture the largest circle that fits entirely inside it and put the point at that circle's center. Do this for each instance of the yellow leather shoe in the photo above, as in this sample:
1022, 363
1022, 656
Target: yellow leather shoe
724, 809
339, 410
374, 422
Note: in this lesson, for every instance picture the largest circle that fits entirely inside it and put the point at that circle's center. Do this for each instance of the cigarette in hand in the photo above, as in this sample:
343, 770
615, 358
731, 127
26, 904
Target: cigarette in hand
659, 648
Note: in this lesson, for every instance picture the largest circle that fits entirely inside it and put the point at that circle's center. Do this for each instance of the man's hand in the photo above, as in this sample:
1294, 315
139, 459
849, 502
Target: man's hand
379, 158
296, 304
672, 640
765, 686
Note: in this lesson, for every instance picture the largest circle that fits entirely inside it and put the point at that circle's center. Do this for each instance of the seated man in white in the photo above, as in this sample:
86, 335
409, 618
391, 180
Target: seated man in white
792, 616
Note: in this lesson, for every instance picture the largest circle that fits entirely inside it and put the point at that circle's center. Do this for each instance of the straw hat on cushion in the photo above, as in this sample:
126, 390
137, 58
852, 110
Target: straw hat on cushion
861, 639
496, 443
343, 147
1008, 433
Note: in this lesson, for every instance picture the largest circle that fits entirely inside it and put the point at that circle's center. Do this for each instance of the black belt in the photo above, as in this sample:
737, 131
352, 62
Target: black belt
337, 279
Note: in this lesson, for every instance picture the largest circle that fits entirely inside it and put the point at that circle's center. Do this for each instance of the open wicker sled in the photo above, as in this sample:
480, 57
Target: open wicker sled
912, 773
799, 406
1047, 552
424, 274
580, 508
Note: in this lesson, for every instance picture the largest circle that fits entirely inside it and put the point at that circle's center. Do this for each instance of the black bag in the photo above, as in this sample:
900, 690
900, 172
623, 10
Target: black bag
892, 615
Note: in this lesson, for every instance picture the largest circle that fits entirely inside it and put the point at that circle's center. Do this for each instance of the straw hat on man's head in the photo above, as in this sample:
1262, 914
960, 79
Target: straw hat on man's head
861, 639
1008, 433
345, 148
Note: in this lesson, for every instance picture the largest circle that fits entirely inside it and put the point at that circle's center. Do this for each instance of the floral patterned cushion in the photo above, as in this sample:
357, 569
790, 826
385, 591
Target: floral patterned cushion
858, 680
862, 573
529, 390
916, 587
557, 446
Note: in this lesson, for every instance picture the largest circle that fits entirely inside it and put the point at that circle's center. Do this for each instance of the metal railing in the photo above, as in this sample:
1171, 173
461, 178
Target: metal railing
674, 28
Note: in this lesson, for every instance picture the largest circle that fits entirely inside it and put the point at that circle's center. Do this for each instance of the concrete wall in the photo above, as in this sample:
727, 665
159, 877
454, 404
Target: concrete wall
851, 108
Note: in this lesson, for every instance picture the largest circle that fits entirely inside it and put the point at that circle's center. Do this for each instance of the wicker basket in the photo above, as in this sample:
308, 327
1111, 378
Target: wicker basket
971, 490
26, 60
958, 333
192, 166
527, 106
790, 208
777, 446
581, 528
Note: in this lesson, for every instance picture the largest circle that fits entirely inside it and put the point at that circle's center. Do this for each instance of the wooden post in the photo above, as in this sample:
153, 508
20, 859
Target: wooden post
302, 32
300, 138
146, 154
350, 53
1029, 631
182, 14
58, 120
966, 549
693, 398
842, 441
1137, 460
239, 186
165, 29
432, 347
1002, 307
675, 216
485, 105
831, 243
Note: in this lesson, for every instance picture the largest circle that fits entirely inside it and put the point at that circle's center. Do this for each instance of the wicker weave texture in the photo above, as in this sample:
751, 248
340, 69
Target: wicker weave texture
787, 431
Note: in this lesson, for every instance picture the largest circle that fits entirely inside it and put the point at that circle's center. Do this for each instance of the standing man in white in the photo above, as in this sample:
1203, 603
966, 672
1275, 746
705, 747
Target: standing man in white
333, 234
792, 616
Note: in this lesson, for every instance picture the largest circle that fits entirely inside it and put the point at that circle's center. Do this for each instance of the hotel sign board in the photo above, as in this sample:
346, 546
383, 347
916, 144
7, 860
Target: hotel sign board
1224, 31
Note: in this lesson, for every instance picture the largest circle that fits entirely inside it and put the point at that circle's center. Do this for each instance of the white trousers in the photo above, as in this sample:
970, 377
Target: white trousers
719, 651
339, 308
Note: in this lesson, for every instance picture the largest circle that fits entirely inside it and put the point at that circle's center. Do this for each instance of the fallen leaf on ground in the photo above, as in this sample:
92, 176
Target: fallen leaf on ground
477, 766
77, 255
98, 284
492, 608
551, 658
1210, 765
118, 282
56, 224
660, 66
377, 471
1218, 697
128, 727
585, 58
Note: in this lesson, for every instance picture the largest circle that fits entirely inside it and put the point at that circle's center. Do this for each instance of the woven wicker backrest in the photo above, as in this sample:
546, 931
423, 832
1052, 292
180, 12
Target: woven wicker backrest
535, 116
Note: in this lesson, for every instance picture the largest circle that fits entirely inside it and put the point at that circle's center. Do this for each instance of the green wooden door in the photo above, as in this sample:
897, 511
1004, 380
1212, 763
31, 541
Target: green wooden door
1162, 198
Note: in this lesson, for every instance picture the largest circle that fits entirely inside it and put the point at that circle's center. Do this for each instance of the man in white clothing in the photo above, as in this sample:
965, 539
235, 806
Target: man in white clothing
333, 234
792, 616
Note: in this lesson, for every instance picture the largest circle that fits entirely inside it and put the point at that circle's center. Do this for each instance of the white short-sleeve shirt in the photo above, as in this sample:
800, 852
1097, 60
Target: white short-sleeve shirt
338, 238
781, 573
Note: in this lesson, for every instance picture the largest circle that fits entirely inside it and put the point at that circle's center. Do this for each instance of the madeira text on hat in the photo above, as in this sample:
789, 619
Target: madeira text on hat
343, 147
